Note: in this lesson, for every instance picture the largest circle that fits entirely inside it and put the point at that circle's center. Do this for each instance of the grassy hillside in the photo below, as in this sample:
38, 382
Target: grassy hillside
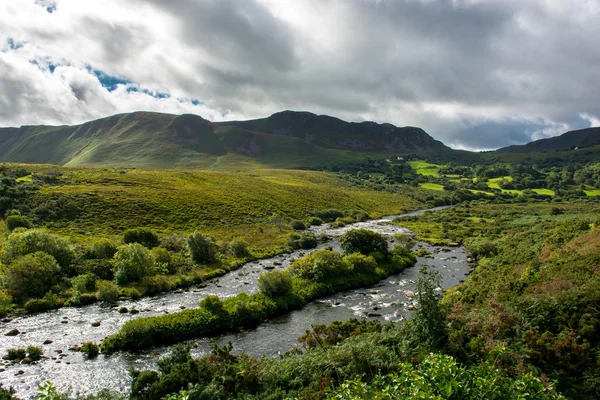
155, 140
571, 140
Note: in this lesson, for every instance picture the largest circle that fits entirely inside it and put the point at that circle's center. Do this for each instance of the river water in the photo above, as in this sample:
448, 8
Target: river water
389, 300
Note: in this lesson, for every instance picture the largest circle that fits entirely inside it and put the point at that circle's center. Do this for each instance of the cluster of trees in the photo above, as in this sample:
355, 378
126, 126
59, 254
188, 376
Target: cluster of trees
42, 270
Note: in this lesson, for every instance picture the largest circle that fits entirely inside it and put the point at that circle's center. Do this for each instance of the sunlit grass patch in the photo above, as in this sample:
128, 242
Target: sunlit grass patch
431, 186
425, 168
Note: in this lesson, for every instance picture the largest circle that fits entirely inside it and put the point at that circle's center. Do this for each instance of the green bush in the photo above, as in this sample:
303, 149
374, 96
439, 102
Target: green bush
103, 249
480, 247
15, 354
34, 353
329, 215
305, 240
238, 248
298, 225
174, 242
363, 241
17, 221
49, 302
315, 221
131, 293
132, 262
162, 260
5, 303
361, 263
108, 292
212, 304
103, 269
36, 240
84, 283
31, 275
275, 283
144, 236
319, 266
90, 349
7, 394
203, 248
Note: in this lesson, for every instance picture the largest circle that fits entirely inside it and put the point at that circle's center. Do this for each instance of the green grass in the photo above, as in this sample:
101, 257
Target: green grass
481, 191
425, 168
431, 186
547, 192
224, 204
494, 183
592, 192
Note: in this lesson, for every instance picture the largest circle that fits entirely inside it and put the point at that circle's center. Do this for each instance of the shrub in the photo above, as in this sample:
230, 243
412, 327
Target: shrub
17, 221
329, 215
162, 259
203, 248
363, 241
275, 283
84, 283
298, 225
35, 240
315, 221
103, 269
174, 242
132, 263
212, 304
480, 247
305, 240
144, 236
15, 354
319, 265
5, 302
238, 248
49, 302
103, 249
132, 293
31, 275
90, 349
108, 292
361, 263
34, 353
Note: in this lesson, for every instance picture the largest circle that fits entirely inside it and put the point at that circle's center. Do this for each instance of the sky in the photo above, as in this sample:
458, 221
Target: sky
474, 74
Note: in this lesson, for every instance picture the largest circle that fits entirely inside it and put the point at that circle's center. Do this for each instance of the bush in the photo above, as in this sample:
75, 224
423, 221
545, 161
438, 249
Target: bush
108, 292
162, 260
31, 275
305, 240
203, 248
17, 221
36, 240
5, 303
275, 283
132, 263
174, 242
212, 304
238, 248
319, 266
329, 215
103, 249
315, 221
144, 236
49, 302
34, 353
361, 263
90, 349
84, 283
298, 225
363, 241
15, 354
132, 293
480, 247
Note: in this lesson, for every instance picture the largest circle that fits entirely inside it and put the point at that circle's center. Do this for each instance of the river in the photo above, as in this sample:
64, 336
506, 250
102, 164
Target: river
387, 301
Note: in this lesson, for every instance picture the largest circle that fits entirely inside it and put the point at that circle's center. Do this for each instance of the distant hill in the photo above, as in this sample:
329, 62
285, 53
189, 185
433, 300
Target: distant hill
579, 139
153, 140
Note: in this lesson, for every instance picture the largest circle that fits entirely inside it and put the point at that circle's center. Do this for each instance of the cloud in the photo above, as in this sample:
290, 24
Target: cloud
473, 74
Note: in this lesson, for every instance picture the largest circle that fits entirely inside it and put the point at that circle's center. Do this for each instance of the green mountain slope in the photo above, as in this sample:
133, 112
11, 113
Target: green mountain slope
571, 140
145, 139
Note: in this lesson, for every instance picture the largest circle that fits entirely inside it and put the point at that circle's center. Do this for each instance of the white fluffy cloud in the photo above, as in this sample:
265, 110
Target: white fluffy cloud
474, 74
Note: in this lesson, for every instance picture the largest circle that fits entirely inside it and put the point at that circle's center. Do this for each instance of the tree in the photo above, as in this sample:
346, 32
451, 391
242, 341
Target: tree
275, 283
203, 248
31, 275
17, 221
363, 241
144, 236
132, 263
34, 240
429, 317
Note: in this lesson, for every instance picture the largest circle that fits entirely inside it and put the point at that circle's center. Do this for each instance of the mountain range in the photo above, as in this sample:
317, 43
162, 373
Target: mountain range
288, 139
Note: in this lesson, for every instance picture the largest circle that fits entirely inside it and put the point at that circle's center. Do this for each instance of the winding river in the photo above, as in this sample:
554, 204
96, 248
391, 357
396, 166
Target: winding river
66, 327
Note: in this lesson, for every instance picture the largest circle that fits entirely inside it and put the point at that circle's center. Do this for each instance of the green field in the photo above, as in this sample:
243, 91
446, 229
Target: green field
425, 168
592, 192
431, 186
544, 191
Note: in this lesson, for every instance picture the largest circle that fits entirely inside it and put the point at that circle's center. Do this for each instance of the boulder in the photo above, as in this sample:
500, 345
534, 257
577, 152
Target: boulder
12, 332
